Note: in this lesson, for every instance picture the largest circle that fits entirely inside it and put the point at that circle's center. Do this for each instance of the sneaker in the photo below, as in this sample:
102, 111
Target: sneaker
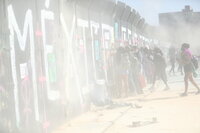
183, 94
195, 74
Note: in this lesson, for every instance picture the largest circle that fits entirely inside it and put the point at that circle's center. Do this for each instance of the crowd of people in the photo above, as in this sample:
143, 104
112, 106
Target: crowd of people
135, 67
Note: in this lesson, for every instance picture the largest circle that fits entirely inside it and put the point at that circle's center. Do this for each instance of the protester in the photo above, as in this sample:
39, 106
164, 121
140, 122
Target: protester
123, 65
160, 68
172, 58
186, 59
135, 68
178, 59
147, 64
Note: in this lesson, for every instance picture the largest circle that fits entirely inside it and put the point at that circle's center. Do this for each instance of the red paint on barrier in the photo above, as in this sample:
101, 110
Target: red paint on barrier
38, 33
46, 125
42, 79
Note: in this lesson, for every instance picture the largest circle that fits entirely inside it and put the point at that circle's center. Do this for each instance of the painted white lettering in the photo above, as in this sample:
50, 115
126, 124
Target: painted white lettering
69, 35
94, 31
13, 27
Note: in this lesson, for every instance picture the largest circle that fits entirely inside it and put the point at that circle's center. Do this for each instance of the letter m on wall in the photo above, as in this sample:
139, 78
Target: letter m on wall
22, 38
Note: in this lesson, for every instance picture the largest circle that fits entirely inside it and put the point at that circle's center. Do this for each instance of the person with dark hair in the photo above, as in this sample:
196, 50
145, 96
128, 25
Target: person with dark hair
134, 72
172, 58
118, 59
147, 65
186, 60
160, 68
178, 59
122, 63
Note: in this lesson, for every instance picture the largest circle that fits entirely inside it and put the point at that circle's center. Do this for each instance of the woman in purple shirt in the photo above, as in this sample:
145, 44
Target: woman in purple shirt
186, 59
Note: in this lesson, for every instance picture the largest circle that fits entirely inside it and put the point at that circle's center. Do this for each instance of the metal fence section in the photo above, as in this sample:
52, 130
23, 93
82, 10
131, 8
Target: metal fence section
54, 53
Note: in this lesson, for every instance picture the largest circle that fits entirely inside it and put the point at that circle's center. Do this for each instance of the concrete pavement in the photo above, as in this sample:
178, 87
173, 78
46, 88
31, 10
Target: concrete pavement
160, 112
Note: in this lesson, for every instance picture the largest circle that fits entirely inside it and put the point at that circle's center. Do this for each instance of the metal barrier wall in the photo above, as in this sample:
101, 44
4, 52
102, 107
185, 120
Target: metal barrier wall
52, 54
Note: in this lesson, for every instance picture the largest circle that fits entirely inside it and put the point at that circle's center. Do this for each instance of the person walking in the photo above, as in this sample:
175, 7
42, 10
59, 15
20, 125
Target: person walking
160, 68
172, 58
178, 59
186, 59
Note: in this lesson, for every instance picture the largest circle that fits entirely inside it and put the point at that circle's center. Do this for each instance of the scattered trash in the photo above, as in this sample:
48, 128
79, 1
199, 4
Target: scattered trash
153, 120
138, 106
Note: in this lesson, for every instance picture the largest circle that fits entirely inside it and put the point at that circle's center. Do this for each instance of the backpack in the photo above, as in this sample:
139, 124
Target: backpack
194, 61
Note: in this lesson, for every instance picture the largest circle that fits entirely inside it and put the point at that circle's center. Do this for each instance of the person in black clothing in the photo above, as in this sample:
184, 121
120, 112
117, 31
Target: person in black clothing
160, 68
172, 58
134, 71
178, 59
122, 67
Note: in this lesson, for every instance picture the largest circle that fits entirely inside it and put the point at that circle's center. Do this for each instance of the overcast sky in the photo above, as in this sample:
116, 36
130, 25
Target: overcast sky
149, 9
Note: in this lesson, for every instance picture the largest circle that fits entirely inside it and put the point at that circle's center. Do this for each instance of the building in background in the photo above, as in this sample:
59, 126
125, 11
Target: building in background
179, 27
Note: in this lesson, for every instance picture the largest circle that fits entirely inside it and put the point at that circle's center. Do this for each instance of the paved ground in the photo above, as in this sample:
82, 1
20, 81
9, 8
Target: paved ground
158, 112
